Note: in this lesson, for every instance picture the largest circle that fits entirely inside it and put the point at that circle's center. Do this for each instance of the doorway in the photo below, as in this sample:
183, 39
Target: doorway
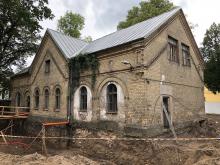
166, 108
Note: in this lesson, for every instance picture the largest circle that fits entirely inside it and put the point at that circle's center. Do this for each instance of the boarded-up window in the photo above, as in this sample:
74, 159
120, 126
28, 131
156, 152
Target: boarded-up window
83, 99
173, 49
112, 99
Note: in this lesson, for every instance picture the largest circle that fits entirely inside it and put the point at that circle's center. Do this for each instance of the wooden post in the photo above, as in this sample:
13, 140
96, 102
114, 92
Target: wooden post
169, 121
11, 127
16, 111
3, 137
44, 148
3, 108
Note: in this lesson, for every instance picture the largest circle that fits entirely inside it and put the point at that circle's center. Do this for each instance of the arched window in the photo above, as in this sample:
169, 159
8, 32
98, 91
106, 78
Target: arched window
18, 99
57, 99
112, 98
46, 99
83, 99
28, 102
37, 99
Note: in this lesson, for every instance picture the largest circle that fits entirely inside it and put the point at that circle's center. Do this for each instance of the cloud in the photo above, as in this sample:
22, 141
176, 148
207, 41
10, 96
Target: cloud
101, 16
109, 13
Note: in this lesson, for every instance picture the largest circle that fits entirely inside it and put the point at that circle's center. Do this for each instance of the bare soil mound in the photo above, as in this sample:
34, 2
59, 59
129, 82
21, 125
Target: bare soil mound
35, 159
111, 151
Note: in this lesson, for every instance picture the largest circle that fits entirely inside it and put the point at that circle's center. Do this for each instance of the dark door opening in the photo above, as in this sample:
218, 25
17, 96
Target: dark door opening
166, 109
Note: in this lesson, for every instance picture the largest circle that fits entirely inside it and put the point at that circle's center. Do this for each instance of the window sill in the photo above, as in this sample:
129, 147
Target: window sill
174, 62
46, 109
57, 110
83, 111
36, 109
112, 113
186, 66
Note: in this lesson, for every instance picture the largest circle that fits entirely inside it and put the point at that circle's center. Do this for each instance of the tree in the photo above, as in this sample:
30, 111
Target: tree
147, 9
88, 39
19, 32
71, 24
211, 54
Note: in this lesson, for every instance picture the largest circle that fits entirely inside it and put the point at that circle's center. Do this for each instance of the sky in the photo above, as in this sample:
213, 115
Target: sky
102, 16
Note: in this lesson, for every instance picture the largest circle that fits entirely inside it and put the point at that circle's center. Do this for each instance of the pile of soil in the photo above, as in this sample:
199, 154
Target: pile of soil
8, 159
124, 152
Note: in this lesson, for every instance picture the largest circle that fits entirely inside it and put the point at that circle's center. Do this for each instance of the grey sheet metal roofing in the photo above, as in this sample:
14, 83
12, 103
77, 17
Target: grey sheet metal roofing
68, 45
132, 33
71, 46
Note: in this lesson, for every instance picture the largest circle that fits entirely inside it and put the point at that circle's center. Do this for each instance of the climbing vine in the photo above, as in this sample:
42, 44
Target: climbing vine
80, 63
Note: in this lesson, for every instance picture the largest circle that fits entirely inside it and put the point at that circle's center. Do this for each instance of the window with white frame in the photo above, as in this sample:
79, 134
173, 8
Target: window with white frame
83, 99
112, 98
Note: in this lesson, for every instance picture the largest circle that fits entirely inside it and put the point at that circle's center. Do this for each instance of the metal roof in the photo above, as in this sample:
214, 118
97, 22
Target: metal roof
72, 46
68, 45
132, 33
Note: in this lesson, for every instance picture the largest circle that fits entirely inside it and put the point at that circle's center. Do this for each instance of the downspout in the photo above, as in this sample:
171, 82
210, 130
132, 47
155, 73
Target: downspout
70, 93
69, 109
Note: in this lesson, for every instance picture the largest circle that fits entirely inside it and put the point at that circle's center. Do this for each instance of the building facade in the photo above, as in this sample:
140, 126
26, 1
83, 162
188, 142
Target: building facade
145, 69
212, 102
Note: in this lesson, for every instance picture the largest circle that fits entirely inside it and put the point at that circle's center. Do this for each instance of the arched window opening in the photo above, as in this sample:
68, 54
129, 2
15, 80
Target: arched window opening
112, 98
28, 102
83, 99
57, 99
37, 99
18, 99
46, 99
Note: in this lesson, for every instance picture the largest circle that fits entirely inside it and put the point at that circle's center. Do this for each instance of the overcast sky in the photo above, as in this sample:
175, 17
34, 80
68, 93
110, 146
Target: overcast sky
102, 16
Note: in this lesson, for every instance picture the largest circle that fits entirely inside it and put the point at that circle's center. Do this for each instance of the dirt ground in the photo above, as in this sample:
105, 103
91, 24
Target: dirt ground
121, 152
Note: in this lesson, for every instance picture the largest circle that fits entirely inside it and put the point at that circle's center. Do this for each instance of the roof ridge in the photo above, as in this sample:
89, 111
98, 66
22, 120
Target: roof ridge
48, 29
135, 24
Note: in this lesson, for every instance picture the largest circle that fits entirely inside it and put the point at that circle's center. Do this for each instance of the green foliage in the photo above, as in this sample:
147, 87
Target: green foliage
211, 53
19, 32
71, 24
147, 9
81, 63
88, 39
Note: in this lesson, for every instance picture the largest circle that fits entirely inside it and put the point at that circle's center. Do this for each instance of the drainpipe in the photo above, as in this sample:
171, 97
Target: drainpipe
70, 93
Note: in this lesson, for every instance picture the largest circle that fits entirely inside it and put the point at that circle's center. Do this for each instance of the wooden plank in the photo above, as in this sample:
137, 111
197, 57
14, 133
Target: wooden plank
3, 137
10, 107
55, 123
44, 147
3, 110
13, 117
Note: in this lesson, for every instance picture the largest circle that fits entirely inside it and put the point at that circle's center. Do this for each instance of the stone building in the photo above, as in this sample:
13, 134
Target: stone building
153, 62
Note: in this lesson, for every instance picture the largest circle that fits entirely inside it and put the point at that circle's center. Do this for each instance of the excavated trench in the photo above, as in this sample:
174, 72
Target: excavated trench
113, 151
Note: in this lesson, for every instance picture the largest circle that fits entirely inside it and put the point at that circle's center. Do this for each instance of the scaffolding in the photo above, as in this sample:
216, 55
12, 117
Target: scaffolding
12, 112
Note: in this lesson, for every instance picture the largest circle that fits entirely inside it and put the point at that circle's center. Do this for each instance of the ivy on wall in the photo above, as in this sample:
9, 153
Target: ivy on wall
80, 63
